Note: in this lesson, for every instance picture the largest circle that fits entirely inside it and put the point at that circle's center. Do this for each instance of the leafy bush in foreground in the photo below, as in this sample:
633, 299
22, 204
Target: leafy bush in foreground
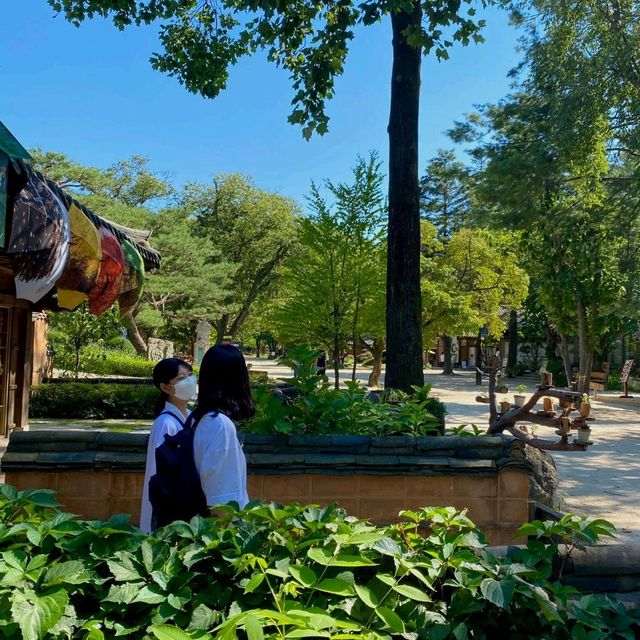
284, 572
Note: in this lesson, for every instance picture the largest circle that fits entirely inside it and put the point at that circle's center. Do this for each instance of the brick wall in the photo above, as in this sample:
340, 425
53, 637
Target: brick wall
97, 475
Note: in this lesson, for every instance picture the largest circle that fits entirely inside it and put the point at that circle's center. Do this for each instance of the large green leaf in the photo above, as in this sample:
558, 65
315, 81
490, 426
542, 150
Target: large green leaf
123, 568
497, 592
37, 614
367, 596
150, 594
253, 628
412, 592
70, 572
123, 593
168, 632
335, 585
390, 618
254, 582
304, 575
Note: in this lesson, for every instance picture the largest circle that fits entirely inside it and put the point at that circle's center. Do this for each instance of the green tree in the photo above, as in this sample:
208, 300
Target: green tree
311, 40
551, 156
337, 275
466, 281
194, 280
253, 230
445, 193
72, 331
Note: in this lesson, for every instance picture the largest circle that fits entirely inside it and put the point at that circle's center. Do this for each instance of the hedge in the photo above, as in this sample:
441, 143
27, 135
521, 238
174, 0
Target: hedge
93, 401
273, 571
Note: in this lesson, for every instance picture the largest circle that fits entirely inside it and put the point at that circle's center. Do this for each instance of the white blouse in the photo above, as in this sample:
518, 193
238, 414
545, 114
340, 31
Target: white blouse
220, 461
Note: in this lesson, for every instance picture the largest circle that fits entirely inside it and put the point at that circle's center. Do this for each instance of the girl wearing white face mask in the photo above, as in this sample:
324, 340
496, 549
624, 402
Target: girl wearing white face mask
177, 384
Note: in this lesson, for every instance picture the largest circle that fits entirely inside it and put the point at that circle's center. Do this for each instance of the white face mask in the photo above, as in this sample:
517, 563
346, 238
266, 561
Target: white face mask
186, 388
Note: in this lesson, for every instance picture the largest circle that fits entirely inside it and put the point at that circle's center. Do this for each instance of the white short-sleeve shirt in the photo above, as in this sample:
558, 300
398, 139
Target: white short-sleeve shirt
169, 423
220, 461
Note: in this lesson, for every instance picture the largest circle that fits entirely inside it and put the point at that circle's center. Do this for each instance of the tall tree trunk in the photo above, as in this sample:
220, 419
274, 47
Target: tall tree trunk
512, 358
336, 361
404, 305
377, 350
585, 349
135, 336
566, 358
448, 368
354, 336
222, 325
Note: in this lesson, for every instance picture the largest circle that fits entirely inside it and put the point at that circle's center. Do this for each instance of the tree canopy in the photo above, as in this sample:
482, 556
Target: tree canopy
310, 40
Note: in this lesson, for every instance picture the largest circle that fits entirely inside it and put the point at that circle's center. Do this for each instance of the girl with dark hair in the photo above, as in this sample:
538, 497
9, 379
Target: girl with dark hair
224, 396
177, 385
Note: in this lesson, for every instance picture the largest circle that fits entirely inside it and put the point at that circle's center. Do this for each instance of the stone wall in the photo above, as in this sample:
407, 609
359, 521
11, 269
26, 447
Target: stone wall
99, 474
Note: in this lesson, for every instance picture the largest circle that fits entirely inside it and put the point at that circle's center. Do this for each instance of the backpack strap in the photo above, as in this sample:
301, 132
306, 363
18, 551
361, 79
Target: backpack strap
174, 416
191, 423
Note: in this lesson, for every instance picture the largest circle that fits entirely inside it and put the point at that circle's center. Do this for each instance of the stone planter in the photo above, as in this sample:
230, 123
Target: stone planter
98, 474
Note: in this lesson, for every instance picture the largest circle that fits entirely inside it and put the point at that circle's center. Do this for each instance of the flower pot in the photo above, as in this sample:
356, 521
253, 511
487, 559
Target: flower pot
584, 434
505, 405
519, 400
585, 410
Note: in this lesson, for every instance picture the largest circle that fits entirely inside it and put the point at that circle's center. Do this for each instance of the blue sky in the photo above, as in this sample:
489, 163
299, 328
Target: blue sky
91, 93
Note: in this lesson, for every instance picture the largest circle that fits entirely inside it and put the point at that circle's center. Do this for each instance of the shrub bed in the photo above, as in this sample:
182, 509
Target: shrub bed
93, 401
109, 363
286, 572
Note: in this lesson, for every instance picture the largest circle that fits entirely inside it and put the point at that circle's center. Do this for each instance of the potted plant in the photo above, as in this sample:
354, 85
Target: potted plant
585, 405
584, 433
519, 398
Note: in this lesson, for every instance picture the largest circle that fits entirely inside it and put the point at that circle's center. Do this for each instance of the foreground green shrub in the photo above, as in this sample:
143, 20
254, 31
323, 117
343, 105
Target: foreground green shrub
285, 572
93, 401
317, 408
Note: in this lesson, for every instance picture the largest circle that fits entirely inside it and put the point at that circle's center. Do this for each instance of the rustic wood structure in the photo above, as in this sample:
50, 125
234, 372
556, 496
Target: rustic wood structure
562, 423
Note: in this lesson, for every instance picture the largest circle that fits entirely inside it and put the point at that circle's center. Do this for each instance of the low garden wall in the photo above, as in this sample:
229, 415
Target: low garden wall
98, 474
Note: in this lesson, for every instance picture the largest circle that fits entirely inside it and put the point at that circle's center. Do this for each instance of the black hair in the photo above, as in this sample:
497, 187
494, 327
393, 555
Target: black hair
163, 372
223, 384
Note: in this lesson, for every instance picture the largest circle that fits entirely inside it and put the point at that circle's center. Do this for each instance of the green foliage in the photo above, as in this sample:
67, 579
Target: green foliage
320, 410
99, 401
253, 231
109, 362
613, 381
309, 40
445, 193
556, 367
334, 285
72, 332
466, 279
273, 571
466, 430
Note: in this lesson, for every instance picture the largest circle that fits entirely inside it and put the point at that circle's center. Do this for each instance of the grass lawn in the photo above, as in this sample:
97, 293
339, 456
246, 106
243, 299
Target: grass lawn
103, 425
